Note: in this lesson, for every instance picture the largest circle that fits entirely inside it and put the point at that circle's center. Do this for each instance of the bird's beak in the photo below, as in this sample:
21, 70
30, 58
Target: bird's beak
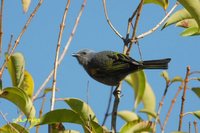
75, 54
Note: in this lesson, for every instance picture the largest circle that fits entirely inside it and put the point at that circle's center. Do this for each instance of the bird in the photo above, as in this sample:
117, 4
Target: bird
110, 67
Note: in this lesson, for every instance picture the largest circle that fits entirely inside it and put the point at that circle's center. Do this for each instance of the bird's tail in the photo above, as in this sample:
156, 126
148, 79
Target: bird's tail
156, 64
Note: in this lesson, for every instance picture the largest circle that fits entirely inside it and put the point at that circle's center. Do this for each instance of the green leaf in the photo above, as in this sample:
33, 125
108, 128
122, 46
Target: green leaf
176, 17
197, 114
196, 90
163, 3
186, 23
127, 116
96, 128
14, 128
149, 99
82, 108
192, 6
177, 79
60, 115
126, 127
190, 31
16, 65
149, 112
20, 99
137, 126
28, 84
137, 81
165, 75
25, 5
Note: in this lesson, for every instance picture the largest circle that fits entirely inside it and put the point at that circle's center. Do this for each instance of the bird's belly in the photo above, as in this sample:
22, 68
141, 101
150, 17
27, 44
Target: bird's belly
108, 79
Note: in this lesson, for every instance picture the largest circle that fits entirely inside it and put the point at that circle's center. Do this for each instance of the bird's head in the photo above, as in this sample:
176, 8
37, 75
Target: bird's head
84, 56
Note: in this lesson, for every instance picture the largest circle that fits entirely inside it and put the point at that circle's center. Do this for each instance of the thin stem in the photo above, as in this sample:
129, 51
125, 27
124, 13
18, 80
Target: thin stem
10, 44
64, 51
171, 106
108, 107
127, 40
159, 24
189, 127
20, 35
1, 25
135, 26
109, 22
40, 112
161, 104
195, 126
117, 94
183, 99
62, 25
194, 72
12, 127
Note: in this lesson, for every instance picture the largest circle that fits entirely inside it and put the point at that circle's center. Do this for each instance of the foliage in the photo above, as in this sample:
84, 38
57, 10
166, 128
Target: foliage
21, 91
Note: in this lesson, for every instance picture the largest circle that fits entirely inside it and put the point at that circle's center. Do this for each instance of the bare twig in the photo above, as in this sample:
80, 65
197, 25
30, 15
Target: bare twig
135, 26
108, 107
127, 40
189, 127
109, 22
171, 106
183, 99
159, 24
13, 128
195, 72
130, 21
20, 35
62, 25
195, 126
117, 94
10, 43
168, 83
1, 25
64, 51
40, 112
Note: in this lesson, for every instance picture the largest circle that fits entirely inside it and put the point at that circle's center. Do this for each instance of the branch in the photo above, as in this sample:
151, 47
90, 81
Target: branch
10, 44
117, 94
158, 25
1, 25
40, 112
171, 106
183, 98
108, 108
109, 22
160, 105
20, 35
62, 25
11, 126
139, 10
64, 51
195, 126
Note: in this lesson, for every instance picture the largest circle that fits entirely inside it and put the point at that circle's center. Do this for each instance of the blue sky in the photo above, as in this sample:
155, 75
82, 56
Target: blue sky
39, 42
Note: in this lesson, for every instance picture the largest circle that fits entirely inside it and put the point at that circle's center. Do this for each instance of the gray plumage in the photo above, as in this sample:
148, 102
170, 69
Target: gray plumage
110, 67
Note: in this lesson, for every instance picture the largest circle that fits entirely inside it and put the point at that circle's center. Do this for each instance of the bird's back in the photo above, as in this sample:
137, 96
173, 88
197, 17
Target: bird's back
110, 67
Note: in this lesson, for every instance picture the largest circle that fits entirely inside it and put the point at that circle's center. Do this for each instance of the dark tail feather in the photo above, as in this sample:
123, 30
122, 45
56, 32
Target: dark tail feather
156, 64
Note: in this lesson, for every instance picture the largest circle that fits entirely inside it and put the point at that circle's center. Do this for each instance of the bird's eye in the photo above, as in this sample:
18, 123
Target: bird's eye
84, 53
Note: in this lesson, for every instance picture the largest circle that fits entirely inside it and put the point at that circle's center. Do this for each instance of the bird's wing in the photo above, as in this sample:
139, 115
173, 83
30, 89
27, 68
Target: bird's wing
114, 62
